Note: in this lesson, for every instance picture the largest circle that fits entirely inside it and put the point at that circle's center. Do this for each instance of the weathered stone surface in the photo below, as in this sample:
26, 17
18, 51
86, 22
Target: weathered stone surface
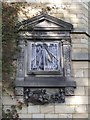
87, 90
84, 41
1, 79
61, 15
80, 56
23, 110
80, 50
80, 64
0, 100
86, 73
88, 116
76, 50
34, 109
0, 86
89, 99
79, 36
89, 81
81, 82
0, 112
20, 98
84, 50
76, 100
4, 93
80, 116
81, 109
37, 115
65, 115
78, 73
74, 8
88, 108
25, 116
79, 46
6, 100
75, 41
47, 109
51, 116
64, 109
80, 91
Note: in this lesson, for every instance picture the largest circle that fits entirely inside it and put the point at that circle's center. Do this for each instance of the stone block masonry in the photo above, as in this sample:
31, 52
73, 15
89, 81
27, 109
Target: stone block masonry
34, 109
74, 106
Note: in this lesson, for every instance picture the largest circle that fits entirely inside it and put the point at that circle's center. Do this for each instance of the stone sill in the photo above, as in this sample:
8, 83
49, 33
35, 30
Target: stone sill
47, 82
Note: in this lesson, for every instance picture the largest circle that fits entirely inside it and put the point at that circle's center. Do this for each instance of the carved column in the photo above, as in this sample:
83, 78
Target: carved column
67, 59
20, 66
20, 60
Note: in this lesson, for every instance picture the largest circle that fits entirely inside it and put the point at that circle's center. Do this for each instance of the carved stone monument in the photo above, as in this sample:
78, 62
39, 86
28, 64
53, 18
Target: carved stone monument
44, 60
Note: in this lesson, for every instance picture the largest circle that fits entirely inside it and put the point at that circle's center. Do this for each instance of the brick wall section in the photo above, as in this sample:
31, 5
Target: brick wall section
75, 106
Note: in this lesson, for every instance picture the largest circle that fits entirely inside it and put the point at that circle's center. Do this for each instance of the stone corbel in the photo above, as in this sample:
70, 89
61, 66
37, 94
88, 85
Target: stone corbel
41, 96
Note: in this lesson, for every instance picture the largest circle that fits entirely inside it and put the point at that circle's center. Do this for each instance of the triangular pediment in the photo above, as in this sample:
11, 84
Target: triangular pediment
44, 21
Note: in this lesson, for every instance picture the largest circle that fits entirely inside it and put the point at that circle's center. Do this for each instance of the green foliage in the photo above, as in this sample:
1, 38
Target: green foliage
10, 113
9, 38
19, 105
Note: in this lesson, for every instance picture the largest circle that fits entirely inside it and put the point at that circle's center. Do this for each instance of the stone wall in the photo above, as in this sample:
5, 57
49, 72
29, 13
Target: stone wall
75, 106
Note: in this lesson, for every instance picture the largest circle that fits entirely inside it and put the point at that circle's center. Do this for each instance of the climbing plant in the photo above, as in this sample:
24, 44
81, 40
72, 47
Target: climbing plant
10, 13
9, 37
10, 114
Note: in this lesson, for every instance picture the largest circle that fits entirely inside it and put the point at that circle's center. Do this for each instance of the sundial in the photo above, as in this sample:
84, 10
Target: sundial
45, 56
